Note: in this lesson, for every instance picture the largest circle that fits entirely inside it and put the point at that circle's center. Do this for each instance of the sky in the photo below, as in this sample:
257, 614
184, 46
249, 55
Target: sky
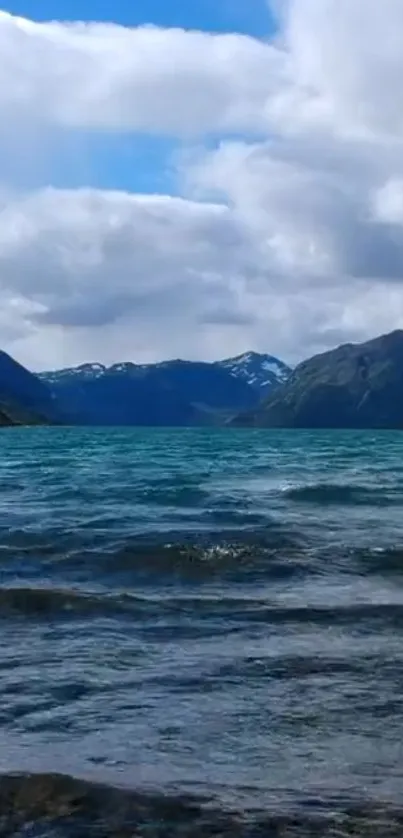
198, 179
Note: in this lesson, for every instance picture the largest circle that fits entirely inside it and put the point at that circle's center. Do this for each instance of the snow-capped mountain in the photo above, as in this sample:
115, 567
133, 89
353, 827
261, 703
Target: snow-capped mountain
260, 371
83, 372
168, 393
89, 372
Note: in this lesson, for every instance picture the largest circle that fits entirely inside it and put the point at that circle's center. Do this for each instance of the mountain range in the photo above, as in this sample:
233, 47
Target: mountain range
170, 393
352, 386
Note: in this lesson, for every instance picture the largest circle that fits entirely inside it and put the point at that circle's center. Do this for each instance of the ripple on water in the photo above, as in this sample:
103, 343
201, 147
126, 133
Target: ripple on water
216, 611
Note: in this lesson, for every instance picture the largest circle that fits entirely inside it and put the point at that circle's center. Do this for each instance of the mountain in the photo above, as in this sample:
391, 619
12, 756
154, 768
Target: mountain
353, 386
12, 415
169, 393
24, 399
262, 372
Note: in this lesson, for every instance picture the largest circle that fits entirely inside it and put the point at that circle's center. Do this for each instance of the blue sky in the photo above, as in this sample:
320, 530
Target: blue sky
137, 162
249, 16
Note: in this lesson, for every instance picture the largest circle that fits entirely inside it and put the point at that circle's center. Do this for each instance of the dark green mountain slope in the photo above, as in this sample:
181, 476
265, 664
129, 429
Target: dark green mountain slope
24, 399
14, 415
353, 386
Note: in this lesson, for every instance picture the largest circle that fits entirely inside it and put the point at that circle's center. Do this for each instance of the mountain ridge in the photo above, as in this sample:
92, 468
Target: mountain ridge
173, 392
257, 368
352, 386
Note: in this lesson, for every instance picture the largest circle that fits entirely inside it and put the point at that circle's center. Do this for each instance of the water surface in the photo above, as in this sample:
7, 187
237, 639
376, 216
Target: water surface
211, 612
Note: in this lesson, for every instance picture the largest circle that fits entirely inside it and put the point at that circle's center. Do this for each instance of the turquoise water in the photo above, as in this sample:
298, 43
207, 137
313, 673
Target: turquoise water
210, 611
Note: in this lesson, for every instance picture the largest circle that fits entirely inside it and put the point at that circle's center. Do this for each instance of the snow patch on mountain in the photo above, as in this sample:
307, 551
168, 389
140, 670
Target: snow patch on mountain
261, 371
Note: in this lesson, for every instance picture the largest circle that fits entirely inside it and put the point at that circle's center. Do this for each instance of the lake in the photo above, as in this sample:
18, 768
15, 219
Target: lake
211, 613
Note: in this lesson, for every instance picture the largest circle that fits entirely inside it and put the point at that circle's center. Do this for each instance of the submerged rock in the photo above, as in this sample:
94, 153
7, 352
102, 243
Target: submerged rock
55, 806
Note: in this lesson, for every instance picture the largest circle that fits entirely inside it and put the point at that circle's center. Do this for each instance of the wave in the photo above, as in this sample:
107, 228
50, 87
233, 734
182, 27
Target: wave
173, 613
194, 555
342, 494
74, 603
65, 807
216, 677
264, 555
182, 496
271, 554
53, 602
384, 561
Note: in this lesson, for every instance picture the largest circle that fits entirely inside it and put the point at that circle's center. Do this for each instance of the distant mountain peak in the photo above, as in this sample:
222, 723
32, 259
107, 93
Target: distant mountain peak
260, 370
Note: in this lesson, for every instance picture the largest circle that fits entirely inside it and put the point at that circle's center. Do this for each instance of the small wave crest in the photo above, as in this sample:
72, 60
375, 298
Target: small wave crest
340, 494
273, 554
382, 561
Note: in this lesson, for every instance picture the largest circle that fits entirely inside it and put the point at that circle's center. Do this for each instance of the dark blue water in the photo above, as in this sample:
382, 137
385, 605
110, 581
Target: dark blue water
218, 612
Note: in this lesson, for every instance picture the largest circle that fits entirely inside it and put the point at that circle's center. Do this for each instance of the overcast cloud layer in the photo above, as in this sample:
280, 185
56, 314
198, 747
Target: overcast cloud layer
288, 240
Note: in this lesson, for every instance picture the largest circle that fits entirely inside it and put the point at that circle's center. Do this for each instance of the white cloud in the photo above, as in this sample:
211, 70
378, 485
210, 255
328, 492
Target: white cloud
290, 243
106, 76
334, 66
347, 57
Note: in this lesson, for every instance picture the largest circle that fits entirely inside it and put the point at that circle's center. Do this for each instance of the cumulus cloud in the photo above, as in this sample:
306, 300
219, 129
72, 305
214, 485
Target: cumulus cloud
106, 76
289, 239
334, 65
347, 57
106, 275
323, 211
169, 272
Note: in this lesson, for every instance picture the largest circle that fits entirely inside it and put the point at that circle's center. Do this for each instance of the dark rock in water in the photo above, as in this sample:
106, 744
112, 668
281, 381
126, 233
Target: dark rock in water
354, 386
54, 806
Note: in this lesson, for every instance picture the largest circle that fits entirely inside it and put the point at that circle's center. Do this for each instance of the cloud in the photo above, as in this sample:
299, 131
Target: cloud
334, 66
347, 59
288, 239
63, 248
159, 268
319, 210
101, 275
109, 77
